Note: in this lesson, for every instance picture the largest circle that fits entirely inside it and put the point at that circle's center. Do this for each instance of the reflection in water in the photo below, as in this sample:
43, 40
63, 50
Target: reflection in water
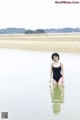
57, 97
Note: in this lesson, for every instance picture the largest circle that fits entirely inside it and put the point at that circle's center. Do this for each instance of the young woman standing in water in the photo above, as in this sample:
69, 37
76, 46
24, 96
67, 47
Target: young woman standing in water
56, 70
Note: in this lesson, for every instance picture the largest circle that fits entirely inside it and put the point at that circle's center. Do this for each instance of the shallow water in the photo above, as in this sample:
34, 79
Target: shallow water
24, 86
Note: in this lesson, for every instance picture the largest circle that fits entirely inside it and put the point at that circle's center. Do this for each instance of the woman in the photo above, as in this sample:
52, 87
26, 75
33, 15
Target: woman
56, 70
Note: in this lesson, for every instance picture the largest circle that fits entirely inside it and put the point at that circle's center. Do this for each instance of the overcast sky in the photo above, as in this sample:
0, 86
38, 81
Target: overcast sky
34, 14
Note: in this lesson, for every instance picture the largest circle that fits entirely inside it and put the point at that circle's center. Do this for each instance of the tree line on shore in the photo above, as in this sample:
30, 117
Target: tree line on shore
38, 31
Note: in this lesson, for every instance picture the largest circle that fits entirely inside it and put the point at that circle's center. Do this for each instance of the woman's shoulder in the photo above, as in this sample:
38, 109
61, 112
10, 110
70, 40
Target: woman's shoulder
61, 64
51, 64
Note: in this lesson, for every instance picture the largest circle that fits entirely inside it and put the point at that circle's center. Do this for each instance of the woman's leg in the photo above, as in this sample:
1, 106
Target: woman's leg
60, 82
54, 82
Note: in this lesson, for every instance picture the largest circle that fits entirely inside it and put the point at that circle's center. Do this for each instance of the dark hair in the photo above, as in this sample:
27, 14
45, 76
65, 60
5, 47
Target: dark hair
55, 54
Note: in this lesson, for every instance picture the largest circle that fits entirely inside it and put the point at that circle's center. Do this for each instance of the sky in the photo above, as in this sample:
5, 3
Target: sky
37, 14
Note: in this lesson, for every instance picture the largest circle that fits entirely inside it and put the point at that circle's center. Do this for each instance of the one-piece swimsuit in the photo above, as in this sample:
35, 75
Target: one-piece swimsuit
56, 73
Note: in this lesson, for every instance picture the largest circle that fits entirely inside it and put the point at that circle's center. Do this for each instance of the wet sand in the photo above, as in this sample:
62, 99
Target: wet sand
42, 42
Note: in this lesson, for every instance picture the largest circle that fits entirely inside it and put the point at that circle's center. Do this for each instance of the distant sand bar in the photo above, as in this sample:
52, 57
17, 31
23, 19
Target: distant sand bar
42, 42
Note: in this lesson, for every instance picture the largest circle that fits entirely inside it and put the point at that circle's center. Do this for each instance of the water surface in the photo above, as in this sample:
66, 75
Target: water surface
24, 86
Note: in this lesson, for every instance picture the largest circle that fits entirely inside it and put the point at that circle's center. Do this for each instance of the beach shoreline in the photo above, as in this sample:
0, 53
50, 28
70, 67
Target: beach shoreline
42, 42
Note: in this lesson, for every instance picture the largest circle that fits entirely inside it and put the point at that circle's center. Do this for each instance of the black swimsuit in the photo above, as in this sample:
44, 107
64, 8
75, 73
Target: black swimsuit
56, 73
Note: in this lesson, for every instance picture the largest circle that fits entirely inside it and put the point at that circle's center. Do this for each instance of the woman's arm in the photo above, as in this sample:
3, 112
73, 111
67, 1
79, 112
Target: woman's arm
50, 72
62, 70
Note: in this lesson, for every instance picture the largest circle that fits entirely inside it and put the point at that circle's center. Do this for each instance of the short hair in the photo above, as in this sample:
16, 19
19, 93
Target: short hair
55, 54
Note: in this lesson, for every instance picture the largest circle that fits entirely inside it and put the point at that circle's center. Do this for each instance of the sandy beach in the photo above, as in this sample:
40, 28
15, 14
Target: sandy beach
42, 42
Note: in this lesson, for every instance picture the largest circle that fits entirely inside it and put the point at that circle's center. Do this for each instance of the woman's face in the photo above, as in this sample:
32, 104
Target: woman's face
55, 58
